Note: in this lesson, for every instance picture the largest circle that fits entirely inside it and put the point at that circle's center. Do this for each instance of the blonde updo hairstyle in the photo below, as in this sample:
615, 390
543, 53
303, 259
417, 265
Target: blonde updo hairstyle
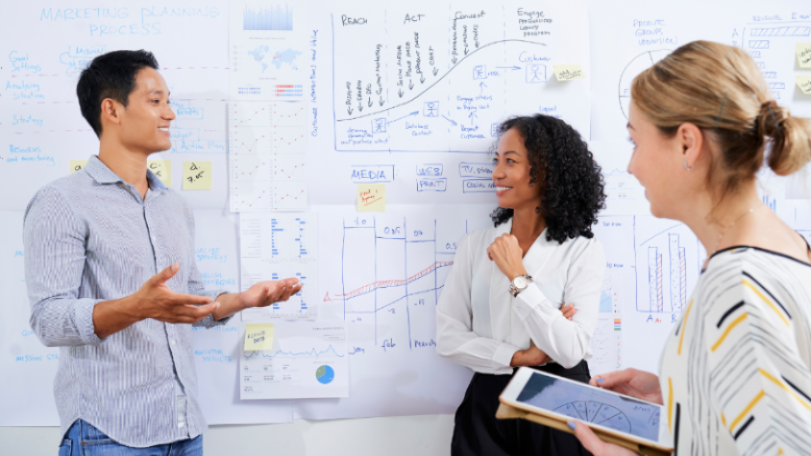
721, 90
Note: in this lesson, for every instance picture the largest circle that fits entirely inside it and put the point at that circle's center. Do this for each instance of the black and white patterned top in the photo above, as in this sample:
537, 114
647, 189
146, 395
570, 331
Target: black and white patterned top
736, 370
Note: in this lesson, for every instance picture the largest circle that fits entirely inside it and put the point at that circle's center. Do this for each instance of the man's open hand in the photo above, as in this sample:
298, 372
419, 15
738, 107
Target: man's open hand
155, 300
265, 293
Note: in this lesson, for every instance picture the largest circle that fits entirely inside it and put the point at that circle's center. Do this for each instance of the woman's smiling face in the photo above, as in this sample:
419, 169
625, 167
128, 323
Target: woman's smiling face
514, 186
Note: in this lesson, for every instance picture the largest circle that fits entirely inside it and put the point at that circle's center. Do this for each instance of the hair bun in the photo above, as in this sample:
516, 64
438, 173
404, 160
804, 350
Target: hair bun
790, 138
770, 119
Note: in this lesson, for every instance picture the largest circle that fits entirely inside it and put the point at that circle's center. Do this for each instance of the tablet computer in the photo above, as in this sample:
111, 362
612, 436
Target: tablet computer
559, 398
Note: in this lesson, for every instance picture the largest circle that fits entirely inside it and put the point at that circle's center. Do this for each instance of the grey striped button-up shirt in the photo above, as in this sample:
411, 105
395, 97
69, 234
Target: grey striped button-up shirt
90, 237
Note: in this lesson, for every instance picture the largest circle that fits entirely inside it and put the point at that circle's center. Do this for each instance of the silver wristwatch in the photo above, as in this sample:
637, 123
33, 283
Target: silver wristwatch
519, 284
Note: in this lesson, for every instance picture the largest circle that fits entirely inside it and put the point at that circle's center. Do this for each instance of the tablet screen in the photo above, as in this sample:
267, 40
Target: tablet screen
592, 405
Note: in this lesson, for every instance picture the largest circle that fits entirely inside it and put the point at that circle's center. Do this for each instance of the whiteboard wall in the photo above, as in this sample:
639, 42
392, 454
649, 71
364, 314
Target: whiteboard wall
442, 123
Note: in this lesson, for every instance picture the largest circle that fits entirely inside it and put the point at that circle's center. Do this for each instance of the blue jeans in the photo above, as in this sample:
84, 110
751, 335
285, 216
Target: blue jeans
83, 439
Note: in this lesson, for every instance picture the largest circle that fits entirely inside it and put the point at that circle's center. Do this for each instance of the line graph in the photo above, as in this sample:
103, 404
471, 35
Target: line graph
308, 359
267, 159
393, 269
311, 353
424, 83
440, 78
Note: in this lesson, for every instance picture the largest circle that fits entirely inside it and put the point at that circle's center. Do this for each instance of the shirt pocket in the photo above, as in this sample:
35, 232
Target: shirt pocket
553, 290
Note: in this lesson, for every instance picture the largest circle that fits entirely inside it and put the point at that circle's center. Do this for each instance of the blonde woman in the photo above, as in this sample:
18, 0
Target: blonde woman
735, 375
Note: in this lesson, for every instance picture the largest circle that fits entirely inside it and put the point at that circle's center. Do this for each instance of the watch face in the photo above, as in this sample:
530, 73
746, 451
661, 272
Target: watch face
520, 282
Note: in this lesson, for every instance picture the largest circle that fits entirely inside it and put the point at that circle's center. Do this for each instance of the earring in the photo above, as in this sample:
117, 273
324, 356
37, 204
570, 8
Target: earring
685, 166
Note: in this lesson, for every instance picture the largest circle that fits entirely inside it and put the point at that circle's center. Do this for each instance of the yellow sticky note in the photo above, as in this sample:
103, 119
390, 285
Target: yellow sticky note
162, 169
76, 165
804, 83
804, 55
371, 197
196, 175
258, 336
569, 72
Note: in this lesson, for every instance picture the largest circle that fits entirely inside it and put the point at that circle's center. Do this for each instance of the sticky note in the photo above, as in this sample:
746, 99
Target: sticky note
162, 169
196, 175
569, 72
804, 55
371, 197
258, 336
76, 165
804, 83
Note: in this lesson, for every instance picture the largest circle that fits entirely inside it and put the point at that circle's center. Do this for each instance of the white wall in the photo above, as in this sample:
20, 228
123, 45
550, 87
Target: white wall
426, 435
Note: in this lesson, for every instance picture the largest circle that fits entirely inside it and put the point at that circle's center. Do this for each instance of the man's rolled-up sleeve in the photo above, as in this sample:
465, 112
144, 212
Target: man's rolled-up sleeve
55, 246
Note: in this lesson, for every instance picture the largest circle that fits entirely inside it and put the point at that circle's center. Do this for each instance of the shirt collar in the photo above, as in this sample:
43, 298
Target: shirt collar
104, 175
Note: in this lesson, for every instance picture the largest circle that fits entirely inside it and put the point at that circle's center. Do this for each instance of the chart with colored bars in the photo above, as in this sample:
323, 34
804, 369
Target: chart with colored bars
266, 51
605, 343
308, 360
267, 18
279, 246
268, 159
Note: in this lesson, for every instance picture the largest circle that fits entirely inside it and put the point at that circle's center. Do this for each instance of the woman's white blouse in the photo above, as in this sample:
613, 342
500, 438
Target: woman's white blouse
479, 323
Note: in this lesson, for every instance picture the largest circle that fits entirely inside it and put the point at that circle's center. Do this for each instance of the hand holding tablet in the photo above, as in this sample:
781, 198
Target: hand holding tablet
607, 412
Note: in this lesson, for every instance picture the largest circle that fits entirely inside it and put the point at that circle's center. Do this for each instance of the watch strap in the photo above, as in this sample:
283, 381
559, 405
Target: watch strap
514, 291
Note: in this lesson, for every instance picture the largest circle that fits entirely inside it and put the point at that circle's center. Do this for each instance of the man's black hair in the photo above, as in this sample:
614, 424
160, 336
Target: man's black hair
110, 75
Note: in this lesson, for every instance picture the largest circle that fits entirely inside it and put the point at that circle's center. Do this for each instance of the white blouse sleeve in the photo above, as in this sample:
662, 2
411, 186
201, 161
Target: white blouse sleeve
566, 342
456, 340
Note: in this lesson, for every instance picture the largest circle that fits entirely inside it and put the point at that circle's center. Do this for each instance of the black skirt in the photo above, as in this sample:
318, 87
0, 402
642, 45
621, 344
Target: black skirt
478, 432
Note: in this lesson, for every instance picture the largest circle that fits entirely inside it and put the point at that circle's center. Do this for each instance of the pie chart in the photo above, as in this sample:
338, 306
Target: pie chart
325, 374
639, 64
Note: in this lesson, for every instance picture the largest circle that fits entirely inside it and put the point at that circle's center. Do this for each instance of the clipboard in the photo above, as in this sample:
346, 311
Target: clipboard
506, 412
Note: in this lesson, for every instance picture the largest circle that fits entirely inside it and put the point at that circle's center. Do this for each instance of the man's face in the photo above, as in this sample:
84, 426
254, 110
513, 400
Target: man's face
145, 121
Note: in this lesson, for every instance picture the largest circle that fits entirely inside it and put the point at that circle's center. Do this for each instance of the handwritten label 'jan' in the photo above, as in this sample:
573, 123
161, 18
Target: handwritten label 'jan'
804, 55
162, 169
569, 72
196, 175
76, 165
804, 83
258, 336
371, 197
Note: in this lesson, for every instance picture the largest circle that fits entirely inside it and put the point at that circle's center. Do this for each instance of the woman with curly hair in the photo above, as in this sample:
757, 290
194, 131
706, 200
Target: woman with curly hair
502, 306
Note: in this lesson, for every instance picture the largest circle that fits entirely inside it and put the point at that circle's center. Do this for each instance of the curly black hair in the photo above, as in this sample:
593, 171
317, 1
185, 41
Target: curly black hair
573, 190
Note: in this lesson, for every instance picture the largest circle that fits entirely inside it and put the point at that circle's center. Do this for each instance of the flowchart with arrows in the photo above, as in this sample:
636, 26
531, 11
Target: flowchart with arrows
422, 86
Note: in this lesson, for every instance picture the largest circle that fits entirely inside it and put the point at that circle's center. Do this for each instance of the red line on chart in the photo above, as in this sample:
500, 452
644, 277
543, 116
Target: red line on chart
248, 119
243, 201
251, 148
277, 171
250, 173
391, 283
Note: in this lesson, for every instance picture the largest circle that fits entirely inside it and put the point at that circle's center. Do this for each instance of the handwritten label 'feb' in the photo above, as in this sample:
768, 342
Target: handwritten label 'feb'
371, 197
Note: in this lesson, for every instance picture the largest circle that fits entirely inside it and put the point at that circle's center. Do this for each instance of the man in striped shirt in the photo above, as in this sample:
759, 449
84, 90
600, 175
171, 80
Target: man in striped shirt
112, 277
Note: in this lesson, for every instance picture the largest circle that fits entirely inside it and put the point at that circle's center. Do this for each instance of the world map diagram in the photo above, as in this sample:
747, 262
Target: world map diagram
288, 56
